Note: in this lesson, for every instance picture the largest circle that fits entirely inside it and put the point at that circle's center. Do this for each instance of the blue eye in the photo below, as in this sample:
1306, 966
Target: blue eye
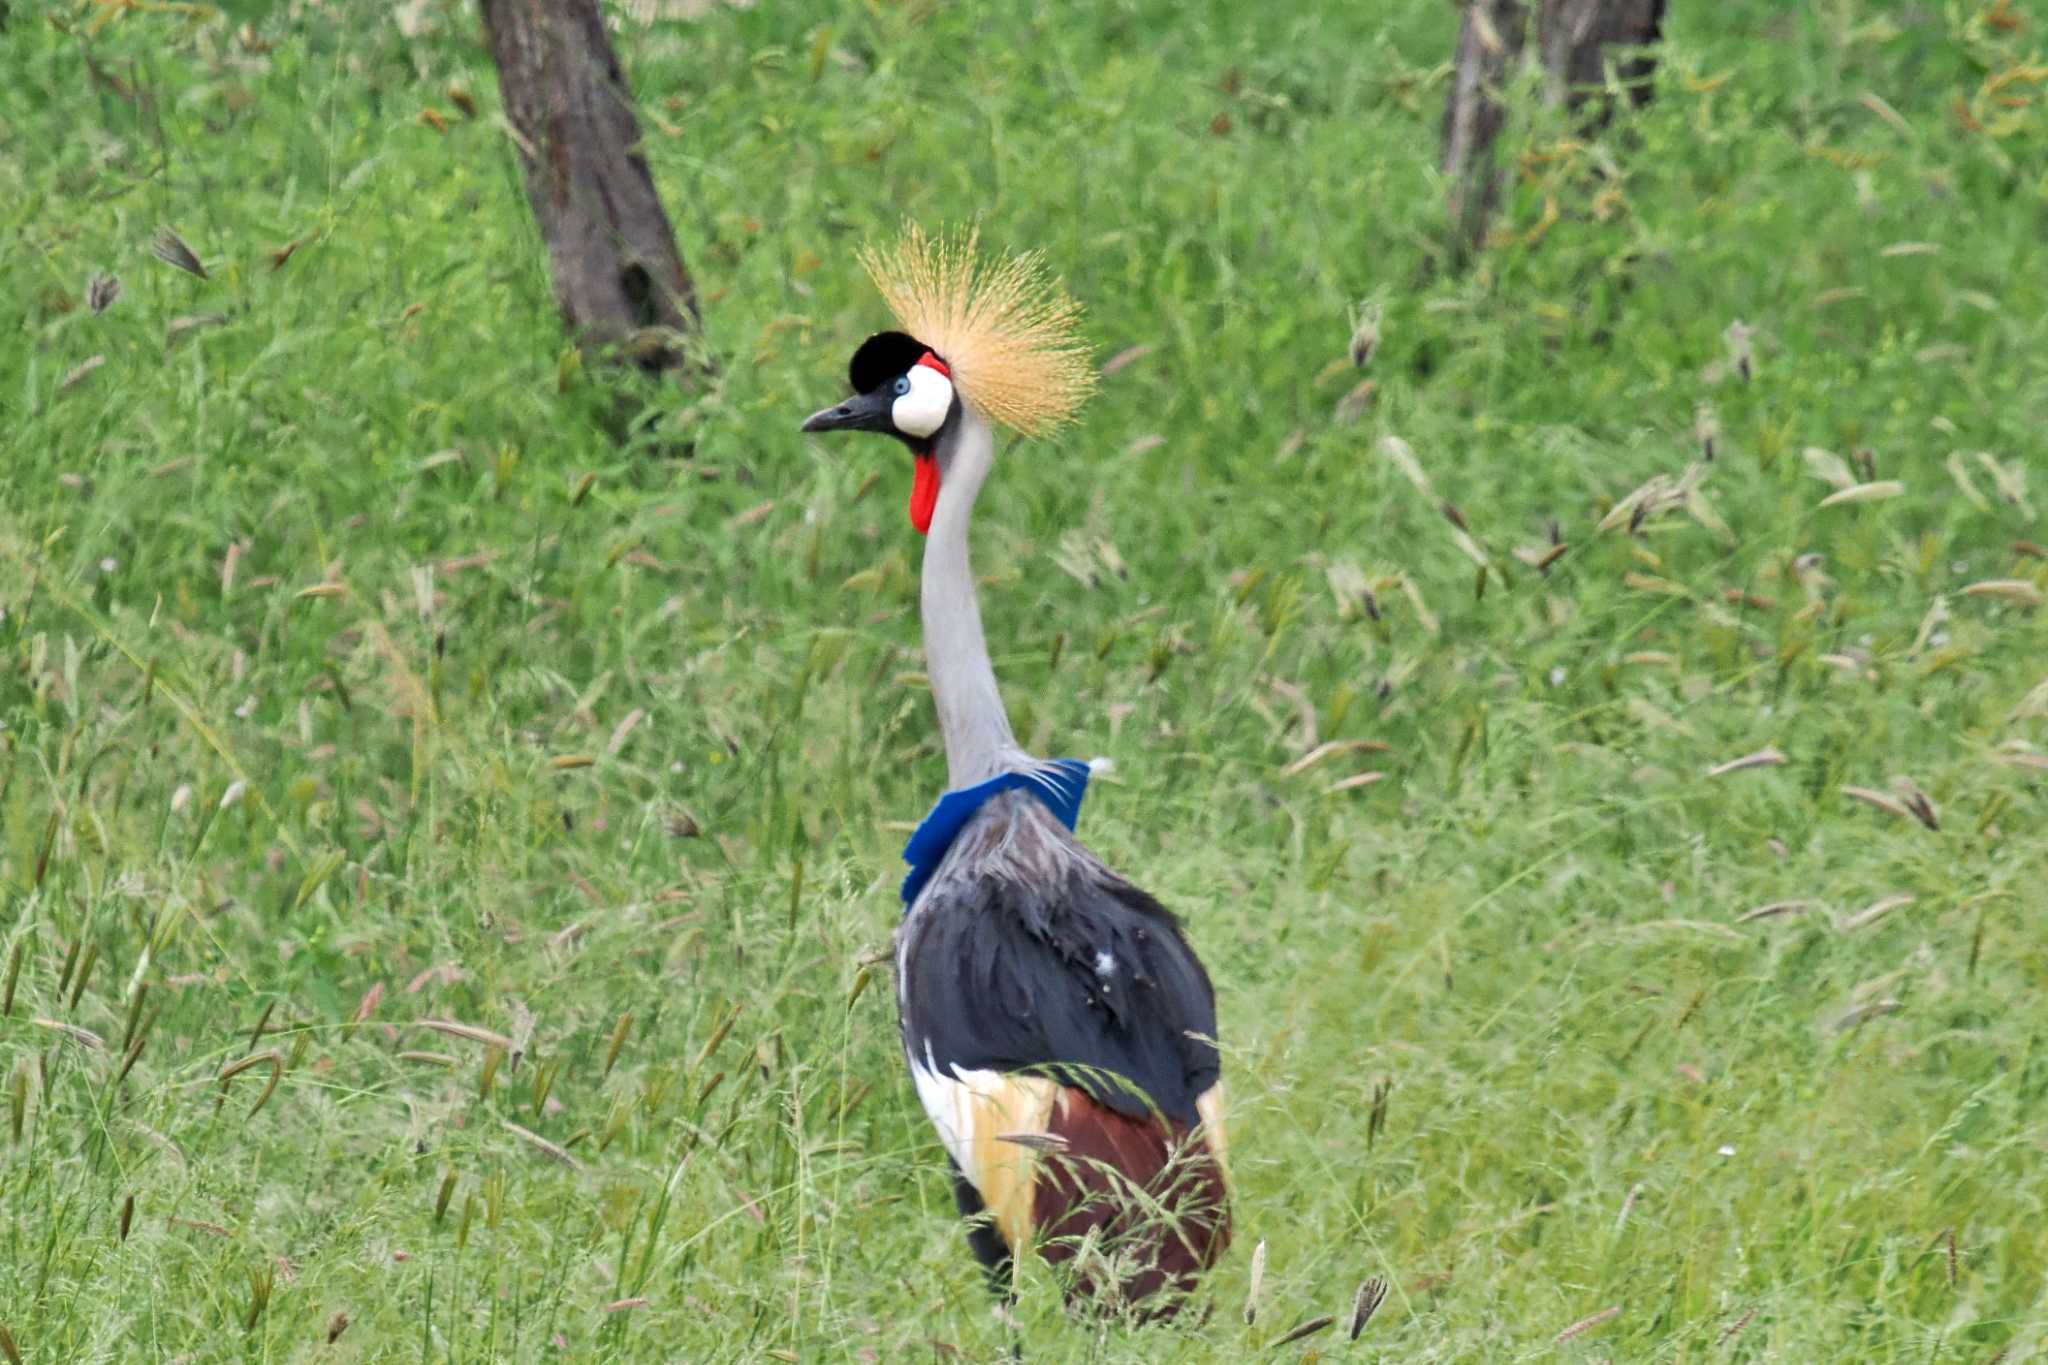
902, 385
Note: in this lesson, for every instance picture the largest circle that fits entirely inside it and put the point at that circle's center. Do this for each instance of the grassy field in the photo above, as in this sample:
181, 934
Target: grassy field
354, 678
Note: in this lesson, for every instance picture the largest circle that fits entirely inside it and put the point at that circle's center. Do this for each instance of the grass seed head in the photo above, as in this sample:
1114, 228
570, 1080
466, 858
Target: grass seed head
168, 247
618, 1040
1258, 1282
1739, 1324
1307, 1329
1365, 332
101, 292
1587, 1324
261, 1282
1371, 1294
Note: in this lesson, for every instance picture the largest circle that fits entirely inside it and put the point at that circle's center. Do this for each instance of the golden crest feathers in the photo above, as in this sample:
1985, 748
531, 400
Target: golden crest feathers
1007, 329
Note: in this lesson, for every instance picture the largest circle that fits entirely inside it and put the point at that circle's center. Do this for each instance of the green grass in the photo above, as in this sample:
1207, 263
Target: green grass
612, 752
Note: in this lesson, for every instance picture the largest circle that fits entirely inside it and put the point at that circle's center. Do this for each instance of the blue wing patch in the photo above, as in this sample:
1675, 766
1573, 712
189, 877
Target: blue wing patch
1061, 792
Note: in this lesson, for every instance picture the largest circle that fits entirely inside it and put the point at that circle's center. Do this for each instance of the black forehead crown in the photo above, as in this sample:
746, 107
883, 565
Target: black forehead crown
881, 358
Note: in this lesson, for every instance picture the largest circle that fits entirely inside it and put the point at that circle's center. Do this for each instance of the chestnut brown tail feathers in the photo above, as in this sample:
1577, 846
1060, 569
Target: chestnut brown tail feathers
1142, 1199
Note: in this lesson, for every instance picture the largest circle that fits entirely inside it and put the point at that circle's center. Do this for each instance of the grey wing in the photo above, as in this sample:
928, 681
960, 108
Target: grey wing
1080, 976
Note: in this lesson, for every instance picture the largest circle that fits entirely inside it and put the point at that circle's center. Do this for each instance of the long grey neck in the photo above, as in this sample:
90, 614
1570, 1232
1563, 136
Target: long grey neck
976, 731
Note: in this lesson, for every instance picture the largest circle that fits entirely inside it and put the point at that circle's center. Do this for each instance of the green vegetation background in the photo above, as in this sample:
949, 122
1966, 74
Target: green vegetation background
353, 677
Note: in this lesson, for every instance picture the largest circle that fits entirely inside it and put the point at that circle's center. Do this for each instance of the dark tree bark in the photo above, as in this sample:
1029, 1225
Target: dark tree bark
618, 277
1575, 41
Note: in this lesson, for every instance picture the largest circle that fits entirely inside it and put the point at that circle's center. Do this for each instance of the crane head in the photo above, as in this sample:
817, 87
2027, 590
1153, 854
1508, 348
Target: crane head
901, 388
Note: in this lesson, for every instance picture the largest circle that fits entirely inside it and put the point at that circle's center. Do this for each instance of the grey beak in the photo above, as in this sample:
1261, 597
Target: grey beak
863, 412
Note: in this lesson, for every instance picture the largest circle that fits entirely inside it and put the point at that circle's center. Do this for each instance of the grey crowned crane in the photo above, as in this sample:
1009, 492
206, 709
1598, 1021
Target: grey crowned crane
1059, 1028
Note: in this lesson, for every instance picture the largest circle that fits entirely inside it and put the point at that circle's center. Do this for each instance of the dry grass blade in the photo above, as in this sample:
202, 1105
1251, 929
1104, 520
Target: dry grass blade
1329, 747
1037, 1142
1829, 467
2012, 589
1587, 1324
1633, 508
1352, 783
1403, 456
1878, 105
1873, 913
1125, 357
1367, 1302
623, 729
1541, 557
554, 1151
1960, 473
1649, 582
191, 322
1700, 509
2011, 480
1875, 491
1773, 909
1306, 1329
469, 1032
1258, 1282
168, 247
1884, 801
7, 1346
1762, 758
1863, 1014
84, 1037
1353, 404
1628, 1202
81, 371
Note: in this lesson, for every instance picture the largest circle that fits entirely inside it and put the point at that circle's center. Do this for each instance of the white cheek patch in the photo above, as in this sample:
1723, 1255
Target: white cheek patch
923, 410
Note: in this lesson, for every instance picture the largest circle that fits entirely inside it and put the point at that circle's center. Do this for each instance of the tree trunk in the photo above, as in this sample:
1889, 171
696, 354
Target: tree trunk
1489, 41
1573, 38
619, 279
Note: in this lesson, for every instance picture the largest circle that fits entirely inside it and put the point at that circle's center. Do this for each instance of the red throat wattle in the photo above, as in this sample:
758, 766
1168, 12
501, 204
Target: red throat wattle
924, 491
